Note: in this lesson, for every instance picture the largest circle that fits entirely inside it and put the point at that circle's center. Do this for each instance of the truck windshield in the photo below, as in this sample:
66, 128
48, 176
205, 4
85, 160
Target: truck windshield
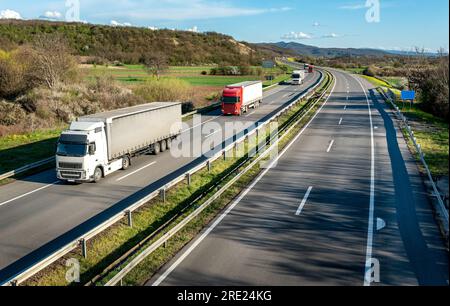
230, 100
71, 149
296, 76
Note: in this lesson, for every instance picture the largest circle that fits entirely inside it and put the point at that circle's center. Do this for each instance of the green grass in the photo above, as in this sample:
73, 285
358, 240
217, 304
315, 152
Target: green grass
377, 82
135, 74
19, 150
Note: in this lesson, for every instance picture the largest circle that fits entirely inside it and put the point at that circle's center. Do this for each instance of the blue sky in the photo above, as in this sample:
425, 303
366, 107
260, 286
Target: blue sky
403, 24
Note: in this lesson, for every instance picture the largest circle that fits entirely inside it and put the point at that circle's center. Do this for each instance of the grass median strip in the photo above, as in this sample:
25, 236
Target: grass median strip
111, 244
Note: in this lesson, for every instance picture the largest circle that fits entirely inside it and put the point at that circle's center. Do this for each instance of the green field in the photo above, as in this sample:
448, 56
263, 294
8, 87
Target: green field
135, 74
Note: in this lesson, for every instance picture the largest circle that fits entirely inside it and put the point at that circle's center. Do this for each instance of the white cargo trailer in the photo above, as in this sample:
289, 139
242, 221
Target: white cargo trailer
99, 144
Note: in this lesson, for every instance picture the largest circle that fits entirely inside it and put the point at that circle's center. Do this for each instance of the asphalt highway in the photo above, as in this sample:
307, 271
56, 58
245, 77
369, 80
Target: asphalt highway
344, 199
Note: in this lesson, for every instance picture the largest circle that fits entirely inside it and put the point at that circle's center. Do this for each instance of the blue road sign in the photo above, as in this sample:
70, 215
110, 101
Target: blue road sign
408, 95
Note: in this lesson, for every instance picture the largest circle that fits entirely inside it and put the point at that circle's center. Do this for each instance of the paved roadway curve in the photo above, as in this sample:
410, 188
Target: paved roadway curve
308, 220
37, 209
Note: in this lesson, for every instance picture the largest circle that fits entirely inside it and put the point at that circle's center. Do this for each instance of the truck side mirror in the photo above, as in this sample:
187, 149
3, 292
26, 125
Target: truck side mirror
92, 149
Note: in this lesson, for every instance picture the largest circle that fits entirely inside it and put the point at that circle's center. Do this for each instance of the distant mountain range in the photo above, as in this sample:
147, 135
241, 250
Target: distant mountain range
293, 48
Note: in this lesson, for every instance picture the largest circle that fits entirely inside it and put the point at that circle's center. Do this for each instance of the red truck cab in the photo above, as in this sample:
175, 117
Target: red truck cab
232, 100
310, 68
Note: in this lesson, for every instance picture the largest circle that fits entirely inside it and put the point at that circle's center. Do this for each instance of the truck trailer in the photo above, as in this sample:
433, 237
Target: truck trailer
100, 144
298, 76
239, 98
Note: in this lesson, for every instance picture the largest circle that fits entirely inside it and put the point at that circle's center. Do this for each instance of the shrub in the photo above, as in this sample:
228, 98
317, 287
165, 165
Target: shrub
164, 90
11, 113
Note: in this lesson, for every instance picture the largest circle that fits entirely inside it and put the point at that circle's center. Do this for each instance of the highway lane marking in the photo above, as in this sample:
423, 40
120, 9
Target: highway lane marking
238, 200
330, 146
340, 122
345, 107
302, 204
215, 132
134, 172
209, 120
369, 249
28, 193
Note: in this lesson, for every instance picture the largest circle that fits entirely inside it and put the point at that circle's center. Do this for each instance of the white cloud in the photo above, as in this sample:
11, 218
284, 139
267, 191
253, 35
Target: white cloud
331, 35
54, 14
358, 6
51, 15
115, 23
178, 10
297, 36
9, 14
193, 29
152, 28
316, 24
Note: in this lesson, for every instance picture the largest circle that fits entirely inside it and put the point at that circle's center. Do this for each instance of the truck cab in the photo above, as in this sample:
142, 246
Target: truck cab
232, 101
82, 152
297, 77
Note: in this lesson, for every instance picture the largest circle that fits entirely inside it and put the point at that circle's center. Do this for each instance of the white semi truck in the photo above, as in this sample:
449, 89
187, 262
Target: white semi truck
298, 76
97, 145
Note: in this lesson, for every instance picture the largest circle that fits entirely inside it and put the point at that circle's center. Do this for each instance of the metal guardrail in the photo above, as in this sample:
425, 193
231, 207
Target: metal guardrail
173, 231
27, 168
442, 210
36, 261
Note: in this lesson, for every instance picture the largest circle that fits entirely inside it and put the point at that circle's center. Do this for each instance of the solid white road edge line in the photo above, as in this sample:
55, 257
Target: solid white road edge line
305, 198
369, 249
28, 193
134, 172
236, 202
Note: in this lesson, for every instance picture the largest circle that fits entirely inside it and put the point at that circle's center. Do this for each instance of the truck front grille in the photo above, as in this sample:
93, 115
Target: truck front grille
70, 175
70, 165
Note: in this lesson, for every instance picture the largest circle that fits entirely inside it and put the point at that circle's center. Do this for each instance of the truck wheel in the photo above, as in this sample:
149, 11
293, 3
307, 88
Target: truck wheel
163, 145
156, 148
169, 144
98, 173
125, 163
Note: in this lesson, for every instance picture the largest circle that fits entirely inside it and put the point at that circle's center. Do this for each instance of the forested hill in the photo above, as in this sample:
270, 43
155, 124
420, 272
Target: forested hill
128, 44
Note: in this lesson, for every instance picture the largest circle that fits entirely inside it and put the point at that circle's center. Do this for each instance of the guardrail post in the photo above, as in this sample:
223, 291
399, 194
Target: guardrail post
130, 218
188, 179
208, 165
83, 247
162, 194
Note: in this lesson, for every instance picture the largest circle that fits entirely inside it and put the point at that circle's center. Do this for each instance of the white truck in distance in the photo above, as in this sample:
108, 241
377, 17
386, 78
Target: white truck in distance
97, 145
297, 77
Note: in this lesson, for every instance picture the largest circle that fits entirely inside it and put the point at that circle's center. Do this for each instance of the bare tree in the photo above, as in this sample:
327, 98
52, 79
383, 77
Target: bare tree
51, 60
155, 63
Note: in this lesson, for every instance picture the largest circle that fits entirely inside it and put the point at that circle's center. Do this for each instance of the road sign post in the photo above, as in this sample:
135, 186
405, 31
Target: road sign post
408, 95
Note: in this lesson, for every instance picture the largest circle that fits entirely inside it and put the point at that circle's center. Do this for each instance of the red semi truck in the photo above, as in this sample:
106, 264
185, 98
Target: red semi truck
239, 98
310, 68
